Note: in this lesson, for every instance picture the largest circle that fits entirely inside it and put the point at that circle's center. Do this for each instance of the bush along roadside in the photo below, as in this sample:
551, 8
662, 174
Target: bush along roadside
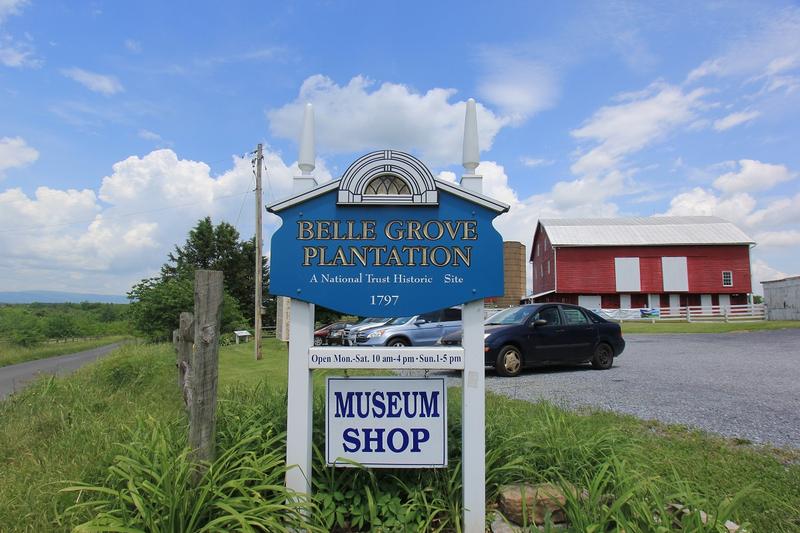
148, 488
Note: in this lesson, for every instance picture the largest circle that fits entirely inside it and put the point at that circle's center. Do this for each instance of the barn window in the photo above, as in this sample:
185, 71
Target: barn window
727, 278
386, 185
537, 248
548, 266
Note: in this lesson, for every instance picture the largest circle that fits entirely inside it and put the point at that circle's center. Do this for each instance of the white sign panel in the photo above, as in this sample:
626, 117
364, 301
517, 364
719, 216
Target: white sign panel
381, 357
386, 422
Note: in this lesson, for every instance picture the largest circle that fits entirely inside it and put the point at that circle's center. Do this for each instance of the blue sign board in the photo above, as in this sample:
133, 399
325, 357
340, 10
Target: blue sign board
372, 259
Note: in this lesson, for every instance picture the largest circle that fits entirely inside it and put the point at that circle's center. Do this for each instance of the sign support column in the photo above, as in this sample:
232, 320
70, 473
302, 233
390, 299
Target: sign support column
473, 403
300, 403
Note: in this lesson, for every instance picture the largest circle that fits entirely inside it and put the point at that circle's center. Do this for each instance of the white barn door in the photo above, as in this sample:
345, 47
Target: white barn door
590, 301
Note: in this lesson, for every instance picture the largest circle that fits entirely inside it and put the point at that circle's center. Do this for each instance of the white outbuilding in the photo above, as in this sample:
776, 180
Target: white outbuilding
782, 298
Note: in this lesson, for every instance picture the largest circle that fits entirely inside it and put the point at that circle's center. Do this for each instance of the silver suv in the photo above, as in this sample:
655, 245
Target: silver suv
351, 332
417, 330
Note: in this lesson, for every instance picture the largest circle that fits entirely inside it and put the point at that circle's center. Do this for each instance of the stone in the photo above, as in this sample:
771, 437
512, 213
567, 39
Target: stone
499, 524
676, 509
733, 527
531, 503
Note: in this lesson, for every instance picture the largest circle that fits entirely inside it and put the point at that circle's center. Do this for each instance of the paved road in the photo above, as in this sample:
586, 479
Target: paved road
15, 377
743, 385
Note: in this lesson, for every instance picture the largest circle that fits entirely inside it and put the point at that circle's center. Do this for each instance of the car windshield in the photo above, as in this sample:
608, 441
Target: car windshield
370, 320
399, 320
514, 315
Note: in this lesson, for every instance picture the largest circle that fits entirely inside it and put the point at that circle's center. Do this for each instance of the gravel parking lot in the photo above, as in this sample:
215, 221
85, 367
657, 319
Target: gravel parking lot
744, 385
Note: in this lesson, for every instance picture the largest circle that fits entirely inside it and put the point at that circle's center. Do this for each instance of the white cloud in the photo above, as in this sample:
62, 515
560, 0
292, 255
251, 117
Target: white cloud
15, 153
767, 52
99, 83
776, 213
133, 45
778, 238
105, 241
17, 54
641, 119
753, 176
148, 135
517, 86
361, 116
569, 194
495, 181
734, 119
10, 7
706, 68
702, 202
534, 162
772, 220
761, 271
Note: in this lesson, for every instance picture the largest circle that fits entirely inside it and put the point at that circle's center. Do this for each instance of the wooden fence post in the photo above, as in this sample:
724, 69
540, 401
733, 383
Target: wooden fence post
183, 338
203, 368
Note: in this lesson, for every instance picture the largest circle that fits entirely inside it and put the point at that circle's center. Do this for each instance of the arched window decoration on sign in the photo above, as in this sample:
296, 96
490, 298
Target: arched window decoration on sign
388, 177
386, 185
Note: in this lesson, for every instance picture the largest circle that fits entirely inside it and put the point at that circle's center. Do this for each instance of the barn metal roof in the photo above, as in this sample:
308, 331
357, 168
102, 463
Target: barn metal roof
643, 231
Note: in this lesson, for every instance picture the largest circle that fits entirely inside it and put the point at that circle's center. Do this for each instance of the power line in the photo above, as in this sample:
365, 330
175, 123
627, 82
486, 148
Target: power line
270, 198
241, 206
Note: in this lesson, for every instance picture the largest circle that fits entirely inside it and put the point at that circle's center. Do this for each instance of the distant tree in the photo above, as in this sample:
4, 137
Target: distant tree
107, 313
23, 328
60, 326
758, 299
157, 303
219, 248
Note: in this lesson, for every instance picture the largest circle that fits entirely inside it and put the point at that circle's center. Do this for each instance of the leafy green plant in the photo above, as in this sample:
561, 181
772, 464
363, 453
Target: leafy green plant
149, 488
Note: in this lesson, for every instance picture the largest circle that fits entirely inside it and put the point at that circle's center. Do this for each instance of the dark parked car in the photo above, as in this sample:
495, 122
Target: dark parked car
542, 334
330, 334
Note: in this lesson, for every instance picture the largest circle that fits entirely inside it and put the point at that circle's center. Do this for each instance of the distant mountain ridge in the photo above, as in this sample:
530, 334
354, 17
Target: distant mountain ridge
54, 297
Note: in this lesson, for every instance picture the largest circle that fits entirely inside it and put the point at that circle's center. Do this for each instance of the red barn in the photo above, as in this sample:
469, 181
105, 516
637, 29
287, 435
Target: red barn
630, 263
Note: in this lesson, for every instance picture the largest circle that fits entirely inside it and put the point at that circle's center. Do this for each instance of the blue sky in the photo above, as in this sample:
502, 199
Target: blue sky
121, 123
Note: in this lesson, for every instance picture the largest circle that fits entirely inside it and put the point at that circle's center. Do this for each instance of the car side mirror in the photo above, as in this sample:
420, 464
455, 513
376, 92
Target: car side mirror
420, 321
539, 322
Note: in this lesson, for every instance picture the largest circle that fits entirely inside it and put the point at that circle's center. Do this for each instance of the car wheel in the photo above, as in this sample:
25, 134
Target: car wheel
603, 357
398, 343
509, 361
317, 341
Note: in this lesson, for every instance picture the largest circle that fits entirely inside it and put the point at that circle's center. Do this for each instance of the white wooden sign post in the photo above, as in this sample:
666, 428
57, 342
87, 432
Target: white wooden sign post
434, 245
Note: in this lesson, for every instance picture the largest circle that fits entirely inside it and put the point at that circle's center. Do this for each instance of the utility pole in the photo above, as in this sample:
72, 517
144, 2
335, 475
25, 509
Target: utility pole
259, 262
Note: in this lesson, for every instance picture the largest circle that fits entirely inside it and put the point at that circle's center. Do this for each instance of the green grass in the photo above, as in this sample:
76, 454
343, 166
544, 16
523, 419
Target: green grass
706, 327
62, 430
11, 354
66, 429
239, 366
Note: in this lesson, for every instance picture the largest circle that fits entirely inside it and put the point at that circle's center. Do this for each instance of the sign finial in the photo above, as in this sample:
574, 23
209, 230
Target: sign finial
306, 159
471, 157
